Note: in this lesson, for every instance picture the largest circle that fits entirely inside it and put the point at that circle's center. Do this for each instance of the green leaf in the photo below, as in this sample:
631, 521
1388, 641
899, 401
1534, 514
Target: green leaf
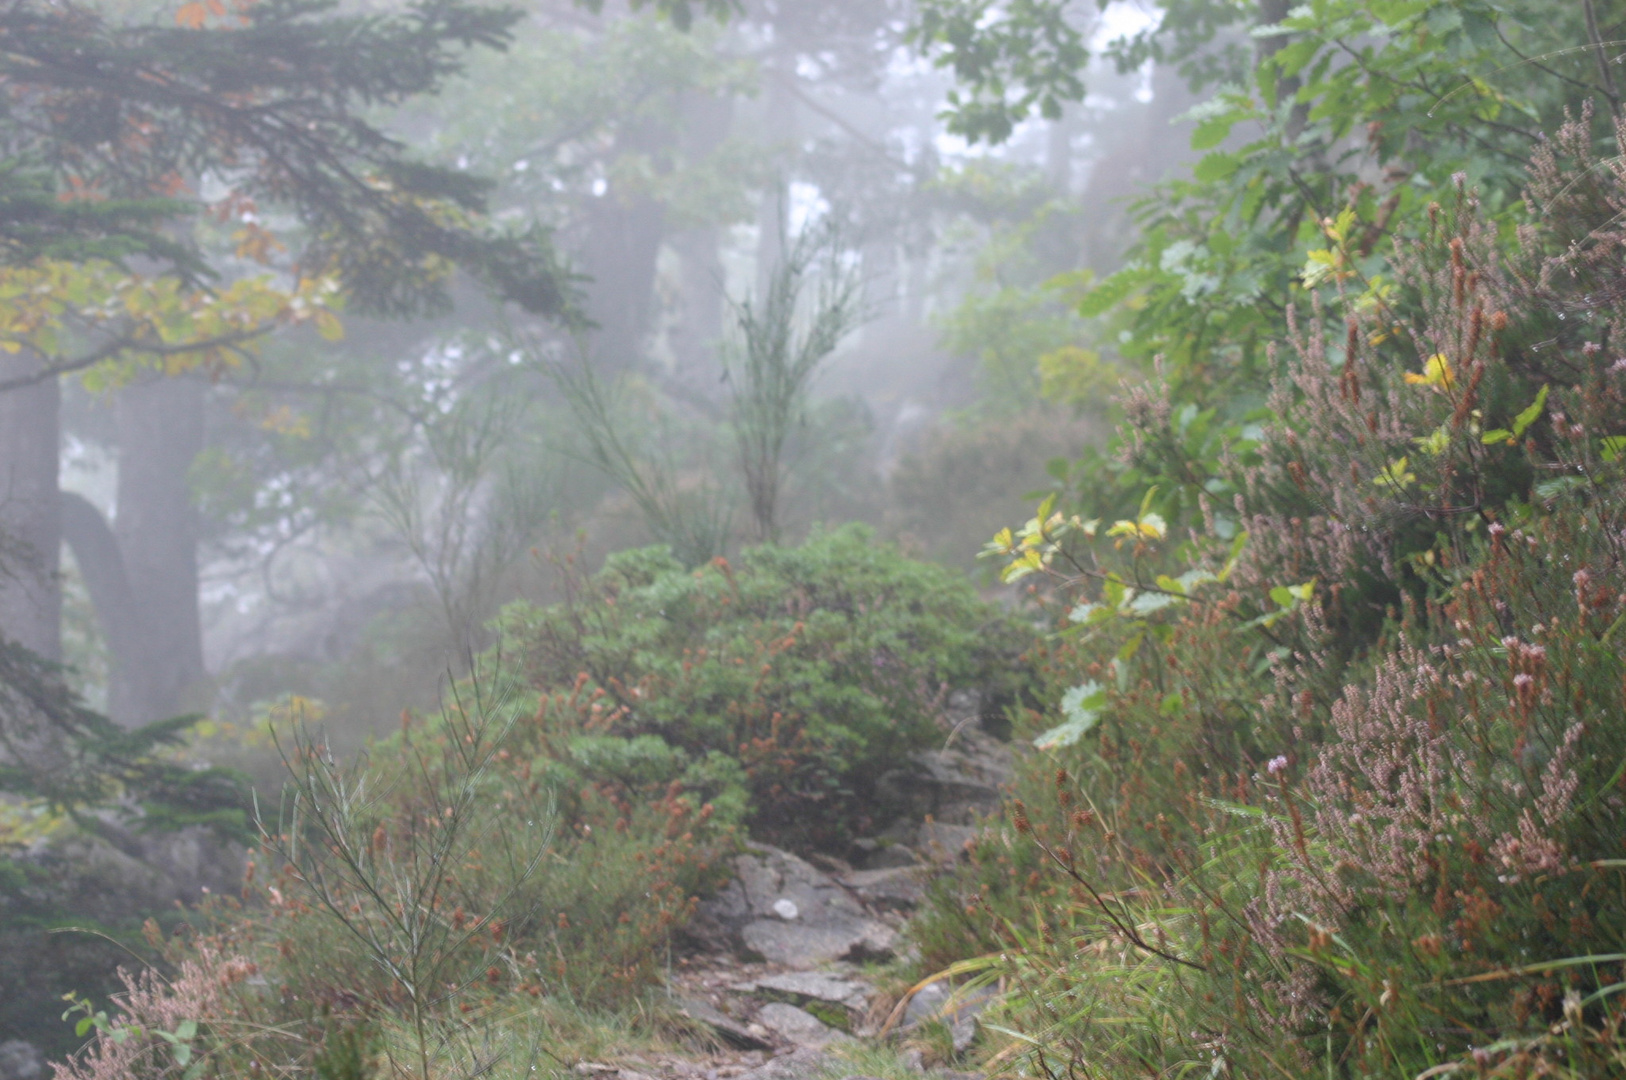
1090, 614
1435, 443
1528, 416
1612, 447
1211, 132
1215, 166
1146, 501
1081, 706
1148, 602
1552, 489
1131, 647
1113, 290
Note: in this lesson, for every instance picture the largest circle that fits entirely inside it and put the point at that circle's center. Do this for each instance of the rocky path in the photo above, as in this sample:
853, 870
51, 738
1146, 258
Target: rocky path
778, 960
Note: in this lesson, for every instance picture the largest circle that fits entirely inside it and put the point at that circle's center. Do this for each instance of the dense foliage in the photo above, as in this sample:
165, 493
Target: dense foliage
1332, 782
1327, 756
64, 767
783, 684
544, 838
405, 909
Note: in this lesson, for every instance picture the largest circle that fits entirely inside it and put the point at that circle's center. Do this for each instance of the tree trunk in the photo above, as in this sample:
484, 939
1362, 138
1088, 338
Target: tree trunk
30, 526
773, 212
101, 564
160, 433
694, 338
624, 232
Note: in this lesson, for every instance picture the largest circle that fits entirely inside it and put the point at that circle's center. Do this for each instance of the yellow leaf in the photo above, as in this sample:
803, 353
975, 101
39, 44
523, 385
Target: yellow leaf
1437, 373
329, 326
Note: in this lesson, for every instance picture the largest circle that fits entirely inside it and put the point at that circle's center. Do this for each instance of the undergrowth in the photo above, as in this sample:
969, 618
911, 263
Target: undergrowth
1334, 778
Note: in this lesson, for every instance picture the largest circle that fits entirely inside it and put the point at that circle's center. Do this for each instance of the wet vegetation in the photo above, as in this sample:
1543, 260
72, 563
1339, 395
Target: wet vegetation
469, 473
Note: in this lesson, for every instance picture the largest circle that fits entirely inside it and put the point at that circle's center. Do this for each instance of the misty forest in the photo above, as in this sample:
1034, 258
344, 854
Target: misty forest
812, 539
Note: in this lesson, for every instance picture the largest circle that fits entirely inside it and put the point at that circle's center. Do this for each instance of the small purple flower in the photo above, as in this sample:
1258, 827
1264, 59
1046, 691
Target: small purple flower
1276, 764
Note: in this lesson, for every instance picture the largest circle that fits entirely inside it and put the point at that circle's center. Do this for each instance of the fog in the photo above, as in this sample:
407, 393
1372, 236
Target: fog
336, 518
784, 539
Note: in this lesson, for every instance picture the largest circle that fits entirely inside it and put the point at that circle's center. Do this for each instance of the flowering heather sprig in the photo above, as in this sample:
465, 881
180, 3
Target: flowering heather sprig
129, 1049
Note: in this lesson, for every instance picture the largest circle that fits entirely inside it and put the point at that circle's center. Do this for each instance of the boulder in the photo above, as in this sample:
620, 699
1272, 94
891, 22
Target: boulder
959, 782
727, 1028
797, 1025
20, 1061
812, 986
869, 853
898, 888
781, 909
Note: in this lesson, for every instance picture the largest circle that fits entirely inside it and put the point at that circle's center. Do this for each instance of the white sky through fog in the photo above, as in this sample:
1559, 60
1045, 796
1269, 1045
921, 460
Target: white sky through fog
1120, 19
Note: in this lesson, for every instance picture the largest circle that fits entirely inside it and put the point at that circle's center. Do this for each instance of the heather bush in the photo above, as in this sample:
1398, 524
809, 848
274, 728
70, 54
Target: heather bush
779, 686
1331, 784
407, 908
160, 1021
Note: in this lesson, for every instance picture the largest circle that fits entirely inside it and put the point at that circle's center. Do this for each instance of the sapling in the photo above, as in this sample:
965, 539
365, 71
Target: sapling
385, 860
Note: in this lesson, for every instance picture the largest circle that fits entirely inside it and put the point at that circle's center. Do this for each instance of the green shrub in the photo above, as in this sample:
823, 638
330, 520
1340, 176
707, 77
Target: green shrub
460, 870
779, 687
1345, 798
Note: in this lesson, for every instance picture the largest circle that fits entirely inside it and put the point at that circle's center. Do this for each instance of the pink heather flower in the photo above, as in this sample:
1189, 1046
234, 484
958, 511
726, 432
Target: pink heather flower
1521, 680
1276, 764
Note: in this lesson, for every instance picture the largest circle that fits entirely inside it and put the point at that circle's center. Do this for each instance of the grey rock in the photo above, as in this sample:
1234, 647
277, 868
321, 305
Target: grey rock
941, 1001
902, 831
963, 1032
806, 1063
959, 782
899, 888
816, 986
944, 843
798, 1026
872, 854
830, 924
20, 1061
809, 946
728, 1029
